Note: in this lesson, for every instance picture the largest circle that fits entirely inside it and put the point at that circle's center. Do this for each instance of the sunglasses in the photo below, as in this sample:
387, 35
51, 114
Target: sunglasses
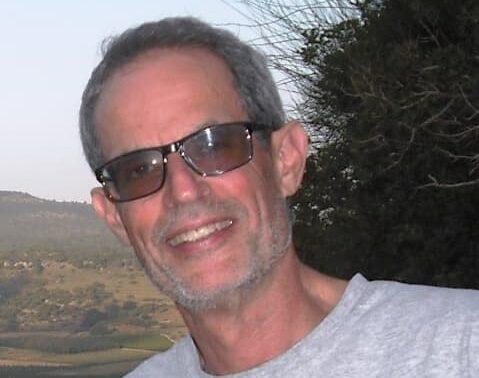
211, 151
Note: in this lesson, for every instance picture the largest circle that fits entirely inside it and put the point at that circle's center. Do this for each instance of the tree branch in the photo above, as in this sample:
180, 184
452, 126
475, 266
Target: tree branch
436, 184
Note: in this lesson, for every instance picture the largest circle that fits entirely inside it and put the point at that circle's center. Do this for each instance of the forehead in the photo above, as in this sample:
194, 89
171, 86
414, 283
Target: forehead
162, 96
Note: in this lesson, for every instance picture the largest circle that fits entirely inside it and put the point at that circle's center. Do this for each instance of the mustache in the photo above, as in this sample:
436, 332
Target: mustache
184, 212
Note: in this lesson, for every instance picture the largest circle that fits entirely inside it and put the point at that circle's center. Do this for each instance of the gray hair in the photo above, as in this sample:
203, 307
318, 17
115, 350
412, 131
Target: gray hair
252, 79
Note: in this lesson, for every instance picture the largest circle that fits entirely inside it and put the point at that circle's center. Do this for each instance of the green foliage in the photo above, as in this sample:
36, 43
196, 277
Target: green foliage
84, 343
27, 304
42, 372
10, 287
102, 327
57, 344
92, 317
151, 342
392, 189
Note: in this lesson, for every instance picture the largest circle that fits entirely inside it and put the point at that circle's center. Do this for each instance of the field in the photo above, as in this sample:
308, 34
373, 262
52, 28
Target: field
38, 354
42, 348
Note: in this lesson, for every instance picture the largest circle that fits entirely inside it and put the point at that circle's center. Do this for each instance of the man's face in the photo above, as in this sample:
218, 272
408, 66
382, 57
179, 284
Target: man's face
199, 238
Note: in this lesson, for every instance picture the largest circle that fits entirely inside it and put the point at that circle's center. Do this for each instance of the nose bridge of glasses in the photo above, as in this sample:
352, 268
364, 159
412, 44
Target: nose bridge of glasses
178, 147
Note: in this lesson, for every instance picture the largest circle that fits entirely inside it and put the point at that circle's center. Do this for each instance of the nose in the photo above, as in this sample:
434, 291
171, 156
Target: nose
182, 184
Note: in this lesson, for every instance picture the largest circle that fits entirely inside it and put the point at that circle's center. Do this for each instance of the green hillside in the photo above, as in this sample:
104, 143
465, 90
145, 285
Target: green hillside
73, 300
30, 224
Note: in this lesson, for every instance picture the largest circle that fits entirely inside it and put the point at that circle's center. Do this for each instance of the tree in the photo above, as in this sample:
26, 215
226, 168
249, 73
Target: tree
91, 318
390, 89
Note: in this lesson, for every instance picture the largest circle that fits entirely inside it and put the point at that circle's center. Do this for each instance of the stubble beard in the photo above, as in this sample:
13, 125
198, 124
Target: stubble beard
261, 261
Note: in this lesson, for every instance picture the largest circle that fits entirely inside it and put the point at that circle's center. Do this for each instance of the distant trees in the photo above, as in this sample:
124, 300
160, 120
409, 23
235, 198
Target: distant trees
26, 305
11, 286
390, 90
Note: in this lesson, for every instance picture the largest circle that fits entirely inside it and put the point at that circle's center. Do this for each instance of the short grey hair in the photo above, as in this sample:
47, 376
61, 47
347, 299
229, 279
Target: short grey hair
252, 79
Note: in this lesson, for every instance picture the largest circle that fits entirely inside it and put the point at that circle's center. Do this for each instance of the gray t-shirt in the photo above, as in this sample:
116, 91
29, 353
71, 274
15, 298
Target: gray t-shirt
378, 329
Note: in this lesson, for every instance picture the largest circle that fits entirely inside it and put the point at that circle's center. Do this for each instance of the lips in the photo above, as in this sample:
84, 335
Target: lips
199, 233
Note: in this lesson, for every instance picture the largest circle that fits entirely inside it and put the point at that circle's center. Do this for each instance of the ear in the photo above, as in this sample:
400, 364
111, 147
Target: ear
108, 211
290, 150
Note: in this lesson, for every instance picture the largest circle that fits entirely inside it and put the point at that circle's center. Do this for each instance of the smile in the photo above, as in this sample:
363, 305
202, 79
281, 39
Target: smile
199, 233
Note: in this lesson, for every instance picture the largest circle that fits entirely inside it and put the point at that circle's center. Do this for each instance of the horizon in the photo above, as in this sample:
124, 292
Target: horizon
26, 194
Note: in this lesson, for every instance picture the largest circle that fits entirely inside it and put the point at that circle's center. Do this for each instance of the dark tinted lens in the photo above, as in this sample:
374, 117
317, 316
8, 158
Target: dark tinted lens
134, 175
218, 149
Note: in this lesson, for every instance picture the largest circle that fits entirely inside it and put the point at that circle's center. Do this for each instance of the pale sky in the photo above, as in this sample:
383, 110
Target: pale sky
48, 49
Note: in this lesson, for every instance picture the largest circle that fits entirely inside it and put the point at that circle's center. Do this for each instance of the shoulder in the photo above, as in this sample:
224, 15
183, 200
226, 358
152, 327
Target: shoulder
173, 362
416, 308
421, 298
401, 324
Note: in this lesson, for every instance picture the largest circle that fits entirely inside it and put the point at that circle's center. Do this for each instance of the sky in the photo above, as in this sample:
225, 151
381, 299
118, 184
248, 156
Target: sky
48, 49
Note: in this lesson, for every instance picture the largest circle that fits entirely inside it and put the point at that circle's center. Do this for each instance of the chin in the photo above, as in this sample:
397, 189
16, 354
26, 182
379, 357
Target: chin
199, 296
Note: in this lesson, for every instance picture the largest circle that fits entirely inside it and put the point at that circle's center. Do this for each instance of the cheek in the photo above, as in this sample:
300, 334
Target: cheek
258, 191
139, 219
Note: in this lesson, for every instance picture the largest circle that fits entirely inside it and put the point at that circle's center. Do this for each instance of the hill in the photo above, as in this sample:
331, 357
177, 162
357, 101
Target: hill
72, 299
65, 229
62, 269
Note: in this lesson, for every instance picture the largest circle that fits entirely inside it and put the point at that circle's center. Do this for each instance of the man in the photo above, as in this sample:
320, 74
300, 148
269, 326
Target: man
183, 127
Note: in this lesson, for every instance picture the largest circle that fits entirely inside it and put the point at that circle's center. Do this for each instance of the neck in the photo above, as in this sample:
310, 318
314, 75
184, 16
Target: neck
256, 326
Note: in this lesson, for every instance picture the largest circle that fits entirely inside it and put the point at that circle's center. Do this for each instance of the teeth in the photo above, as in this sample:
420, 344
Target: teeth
199, 233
